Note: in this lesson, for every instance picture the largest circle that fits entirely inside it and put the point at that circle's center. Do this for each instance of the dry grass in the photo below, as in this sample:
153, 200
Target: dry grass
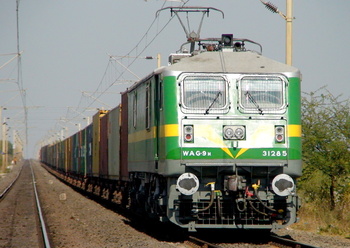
320, 219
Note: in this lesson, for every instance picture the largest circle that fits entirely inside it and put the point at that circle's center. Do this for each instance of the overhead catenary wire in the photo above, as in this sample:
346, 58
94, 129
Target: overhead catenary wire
132, 61
99, 91
20, 78
147, 45
133, 49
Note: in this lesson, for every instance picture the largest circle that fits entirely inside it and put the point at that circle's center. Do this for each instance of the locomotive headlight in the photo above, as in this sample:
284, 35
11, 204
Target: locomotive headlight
187, 184
239, 133
227, 39
234, 132
228, 132
283, 185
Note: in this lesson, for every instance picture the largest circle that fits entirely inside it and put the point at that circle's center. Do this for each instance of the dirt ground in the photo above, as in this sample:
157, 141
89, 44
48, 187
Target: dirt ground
76, 221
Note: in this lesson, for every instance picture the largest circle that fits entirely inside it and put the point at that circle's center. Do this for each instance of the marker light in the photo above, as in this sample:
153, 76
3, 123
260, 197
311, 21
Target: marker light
279, 134
188, 133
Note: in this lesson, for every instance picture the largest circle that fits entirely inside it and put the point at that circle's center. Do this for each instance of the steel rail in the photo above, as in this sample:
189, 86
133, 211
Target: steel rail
7, 189
41, 218
284, 242
195, 242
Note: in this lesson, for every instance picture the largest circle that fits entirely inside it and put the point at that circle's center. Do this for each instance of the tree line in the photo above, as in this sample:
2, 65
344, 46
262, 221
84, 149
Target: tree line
326, 149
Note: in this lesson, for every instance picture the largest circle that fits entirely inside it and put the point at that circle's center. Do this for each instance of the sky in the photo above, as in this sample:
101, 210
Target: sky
74, 52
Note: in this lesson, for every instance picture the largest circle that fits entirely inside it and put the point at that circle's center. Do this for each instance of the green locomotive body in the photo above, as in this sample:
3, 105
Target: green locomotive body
207, 136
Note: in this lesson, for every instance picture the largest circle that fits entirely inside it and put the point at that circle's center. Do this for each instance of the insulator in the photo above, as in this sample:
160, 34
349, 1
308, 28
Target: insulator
271, 7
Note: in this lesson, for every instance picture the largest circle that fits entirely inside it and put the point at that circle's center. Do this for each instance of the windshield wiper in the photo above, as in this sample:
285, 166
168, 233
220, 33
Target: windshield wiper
251, 98
211, 105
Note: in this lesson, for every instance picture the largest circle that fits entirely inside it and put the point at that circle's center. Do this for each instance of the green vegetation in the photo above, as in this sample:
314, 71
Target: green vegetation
2, 155
325, 184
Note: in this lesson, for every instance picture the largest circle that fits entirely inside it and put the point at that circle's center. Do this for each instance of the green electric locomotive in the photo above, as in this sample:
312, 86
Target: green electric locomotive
214, 139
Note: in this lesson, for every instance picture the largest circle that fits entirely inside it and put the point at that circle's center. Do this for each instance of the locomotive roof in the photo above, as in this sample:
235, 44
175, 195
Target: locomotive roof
232, 62
225, 62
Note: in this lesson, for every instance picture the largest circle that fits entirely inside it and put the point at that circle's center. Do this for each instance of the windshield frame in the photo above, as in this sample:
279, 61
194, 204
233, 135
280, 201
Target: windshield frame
212, 98
249, 101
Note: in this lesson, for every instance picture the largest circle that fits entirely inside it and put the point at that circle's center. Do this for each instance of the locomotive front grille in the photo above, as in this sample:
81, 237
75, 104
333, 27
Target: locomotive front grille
223, 213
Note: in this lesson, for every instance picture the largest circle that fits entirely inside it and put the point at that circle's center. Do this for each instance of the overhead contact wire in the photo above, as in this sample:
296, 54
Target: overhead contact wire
122, 73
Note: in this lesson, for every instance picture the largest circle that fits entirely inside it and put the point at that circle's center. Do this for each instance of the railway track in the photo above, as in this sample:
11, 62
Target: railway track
9, 186
22, 223
198, 243
275, 241
195, 242
287, 243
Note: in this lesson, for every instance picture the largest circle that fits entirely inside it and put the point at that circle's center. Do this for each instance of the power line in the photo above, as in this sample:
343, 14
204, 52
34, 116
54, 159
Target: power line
99, 92
127, 55
132, 62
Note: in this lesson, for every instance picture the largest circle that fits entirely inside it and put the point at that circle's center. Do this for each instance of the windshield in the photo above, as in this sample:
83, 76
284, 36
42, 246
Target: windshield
204, 94
262, 94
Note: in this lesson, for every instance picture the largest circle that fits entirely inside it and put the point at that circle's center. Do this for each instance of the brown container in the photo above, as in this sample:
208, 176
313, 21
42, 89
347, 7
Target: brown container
70, 154
114, 143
